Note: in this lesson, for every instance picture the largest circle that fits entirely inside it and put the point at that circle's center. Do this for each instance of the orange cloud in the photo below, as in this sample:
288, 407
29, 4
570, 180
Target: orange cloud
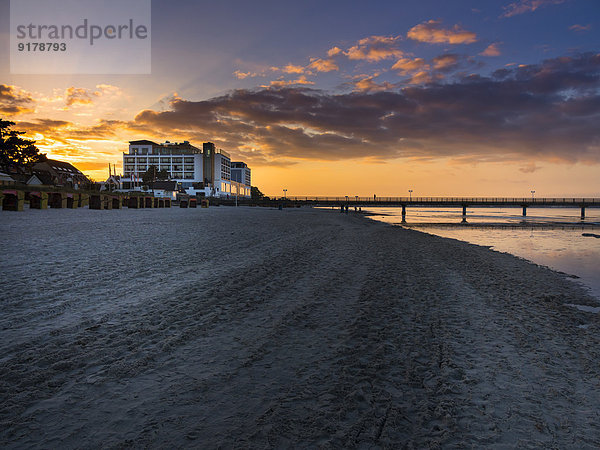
368, 84
323, 65
491, 50
406, 65
74, 96
375, 48
291, 68
281, 83
432, 33
14, 101
445, 61
422, 77
334, 51
241, 75
524, 6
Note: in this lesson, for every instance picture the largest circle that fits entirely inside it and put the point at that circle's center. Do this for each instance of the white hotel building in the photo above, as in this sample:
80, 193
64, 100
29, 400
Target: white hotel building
206, 172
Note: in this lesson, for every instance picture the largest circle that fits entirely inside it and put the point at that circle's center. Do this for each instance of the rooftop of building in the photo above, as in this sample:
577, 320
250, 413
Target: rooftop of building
59, 166
142, 142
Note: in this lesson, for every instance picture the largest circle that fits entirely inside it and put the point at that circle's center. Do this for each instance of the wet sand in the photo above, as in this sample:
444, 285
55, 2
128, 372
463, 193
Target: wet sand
248, 327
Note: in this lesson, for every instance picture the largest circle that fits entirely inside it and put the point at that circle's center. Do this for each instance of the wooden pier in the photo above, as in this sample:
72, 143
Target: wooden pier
459, 202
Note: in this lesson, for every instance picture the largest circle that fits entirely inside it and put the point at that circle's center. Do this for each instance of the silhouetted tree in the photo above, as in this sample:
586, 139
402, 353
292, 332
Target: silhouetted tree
256, 194
153, 174
16, 152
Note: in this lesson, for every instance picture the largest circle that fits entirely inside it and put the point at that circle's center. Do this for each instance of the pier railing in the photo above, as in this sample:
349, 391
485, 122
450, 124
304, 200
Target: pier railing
470, 201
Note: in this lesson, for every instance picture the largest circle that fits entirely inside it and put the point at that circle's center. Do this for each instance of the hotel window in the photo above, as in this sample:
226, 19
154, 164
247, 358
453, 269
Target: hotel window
128, 159
188, 176
177, 160
144, 151
188, 167
165, 160
153, 160
177, 175
134, 150
188, 160
142, 160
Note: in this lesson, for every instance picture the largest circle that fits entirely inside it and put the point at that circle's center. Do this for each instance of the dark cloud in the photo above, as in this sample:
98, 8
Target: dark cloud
14, 101
546, 111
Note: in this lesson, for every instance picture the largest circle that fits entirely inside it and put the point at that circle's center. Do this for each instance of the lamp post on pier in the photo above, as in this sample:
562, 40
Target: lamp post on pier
284, 191
532, 194
410, 191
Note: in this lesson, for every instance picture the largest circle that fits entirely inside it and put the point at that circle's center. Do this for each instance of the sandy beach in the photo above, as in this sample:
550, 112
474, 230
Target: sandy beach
259, 328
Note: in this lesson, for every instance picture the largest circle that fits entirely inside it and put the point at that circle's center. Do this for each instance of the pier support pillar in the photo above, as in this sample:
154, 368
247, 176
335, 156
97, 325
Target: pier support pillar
582, 212
403, 213
464, 210
524, 211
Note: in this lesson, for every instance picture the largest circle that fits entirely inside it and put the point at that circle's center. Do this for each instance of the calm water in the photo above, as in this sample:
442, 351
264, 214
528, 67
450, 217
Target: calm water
548, 236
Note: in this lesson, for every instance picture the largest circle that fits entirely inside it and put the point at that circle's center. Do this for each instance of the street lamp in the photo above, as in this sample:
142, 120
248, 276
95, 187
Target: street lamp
532, 192
410, 194
284, 191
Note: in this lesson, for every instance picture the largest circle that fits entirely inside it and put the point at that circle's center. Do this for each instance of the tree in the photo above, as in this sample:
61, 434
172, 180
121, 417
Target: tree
256, 194
16, 152
162, 175
153, 174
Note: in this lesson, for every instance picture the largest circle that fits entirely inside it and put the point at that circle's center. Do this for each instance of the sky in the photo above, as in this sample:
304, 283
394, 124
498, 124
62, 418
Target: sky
446, 98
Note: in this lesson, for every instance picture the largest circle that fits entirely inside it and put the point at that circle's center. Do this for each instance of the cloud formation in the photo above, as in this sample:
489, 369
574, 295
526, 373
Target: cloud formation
580, 28
406, 65
433, 33
78, 96
525, 6
81, 96
375, 48
492, 50
15, 101
323, 65
544, 111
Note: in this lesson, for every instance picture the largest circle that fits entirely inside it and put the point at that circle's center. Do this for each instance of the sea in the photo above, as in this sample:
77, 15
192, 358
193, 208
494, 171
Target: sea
552, 237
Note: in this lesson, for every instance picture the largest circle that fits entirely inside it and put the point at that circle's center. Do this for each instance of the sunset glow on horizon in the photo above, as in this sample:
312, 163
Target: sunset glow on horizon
460, 98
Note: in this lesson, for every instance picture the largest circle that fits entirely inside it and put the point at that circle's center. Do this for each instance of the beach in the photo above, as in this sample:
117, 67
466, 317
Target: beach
260, 328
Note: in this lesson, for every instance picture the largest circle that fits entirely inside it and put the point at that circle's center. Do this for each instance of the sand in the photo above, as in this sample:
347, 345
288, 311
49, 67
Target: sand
254, 328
